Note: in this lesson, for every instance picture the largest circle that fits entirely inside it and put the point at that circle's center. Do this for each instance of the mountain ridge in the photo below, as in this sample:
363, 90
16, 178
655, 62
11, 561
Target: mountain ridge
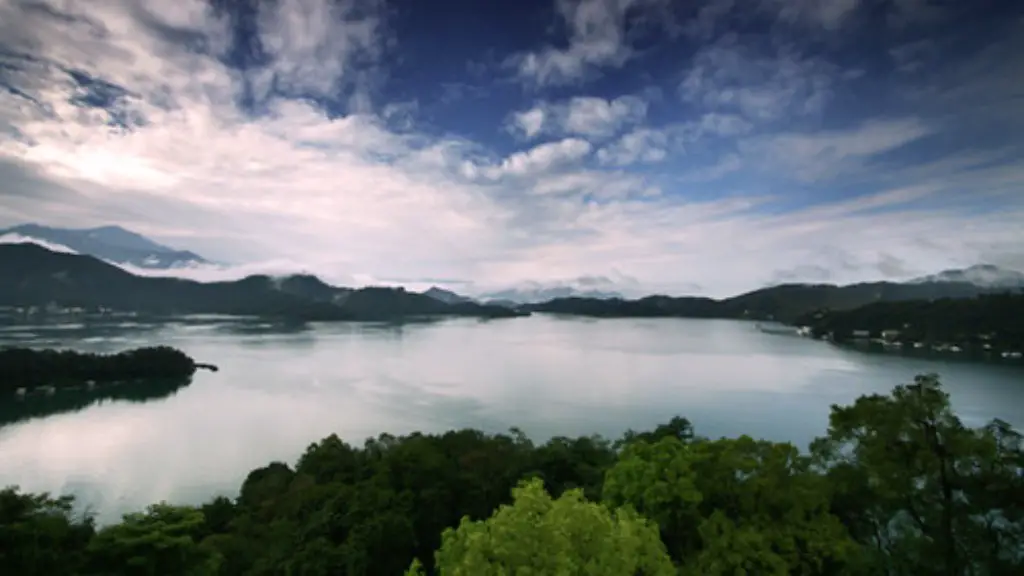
111, 243
987, 275
37, 277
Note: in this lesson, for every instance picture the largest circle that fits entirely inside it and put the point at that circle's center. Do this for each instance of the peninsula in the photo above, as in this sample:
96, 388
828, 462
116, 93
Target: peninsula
27, 369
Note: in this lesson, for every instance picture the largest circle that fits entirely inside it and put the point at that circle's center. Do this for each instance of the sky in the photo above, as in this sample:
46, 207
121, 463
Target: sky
638, 145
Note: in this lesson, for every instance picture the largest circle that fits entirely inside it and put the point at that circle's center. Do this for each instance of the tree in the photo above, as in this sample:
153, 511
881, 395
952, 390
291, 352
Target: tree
160, 541
564, 537
40, 535
924, 493
732, 505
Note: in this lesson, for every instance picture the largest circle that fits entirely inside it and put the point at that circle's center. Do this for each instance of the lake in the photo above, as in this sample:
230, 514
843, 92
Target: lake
280, 389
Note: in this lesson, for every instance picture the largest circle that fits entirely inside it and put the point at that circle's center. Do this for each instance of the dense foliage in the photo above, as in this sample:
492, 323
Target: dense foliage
993, 319
897, 486
28, 368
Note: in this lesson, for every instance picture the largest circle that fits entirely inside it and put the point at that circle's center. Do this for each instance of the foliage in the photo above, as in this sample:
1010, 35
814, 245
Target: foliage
26, 368
992, 319
727, 505
897, 486
40, 535
565, 537
925, 493
163, 540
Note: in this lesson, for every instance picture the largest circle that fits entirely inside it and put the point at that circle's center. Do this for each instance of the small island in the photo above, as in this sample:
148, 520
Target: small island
27, 369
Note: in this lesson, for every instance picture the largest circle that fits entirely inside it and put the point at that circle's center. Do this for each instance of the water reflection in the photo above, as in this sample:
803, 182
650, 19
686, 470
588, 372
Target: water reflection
38, 405
281, 387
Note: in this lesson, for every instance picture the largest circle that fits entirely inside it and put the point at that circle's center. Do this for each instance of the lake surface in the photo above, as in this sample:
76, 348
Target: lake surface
278, 390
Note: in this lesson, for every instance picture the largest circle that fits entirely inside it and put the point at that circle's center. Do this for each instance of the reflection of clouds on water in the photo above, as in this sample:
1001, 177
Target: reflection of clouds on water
278, 390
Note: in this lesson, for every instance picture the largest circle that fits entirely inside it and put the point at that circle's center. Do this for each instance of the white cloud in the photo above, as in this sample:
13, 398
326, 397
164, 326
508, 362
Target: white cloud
597, 37
641, 145
539, 159
353, 199
598, 117
311, 43
730, 76
12, 238
822, 155
587, 116
530, 122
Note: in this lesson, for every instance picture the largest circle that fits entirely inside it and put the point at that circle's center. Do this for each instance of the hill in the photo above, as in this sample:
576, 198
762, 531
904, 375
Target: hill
784, 303
111, 243
37, 277
990, 322
984, 275
446, 296
534, 293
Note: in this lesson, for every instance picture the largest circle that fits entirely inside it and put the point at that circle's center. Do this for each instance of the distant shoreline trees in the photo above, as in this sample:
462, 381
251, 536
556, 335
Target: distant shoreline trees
26, 368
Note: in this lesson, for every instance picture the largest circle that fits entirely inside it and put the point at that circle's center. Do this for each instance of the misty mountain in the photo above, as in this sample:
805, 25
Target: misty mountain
784, 303
446, 296
982, 275
534, 293
111, 243
35, 276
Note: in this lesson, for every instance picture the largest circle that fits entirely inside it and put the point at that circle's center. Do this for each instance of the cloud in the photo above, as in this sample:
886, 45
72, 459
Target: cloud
12, 238
597, 37
640, 145
310, 44
822, 155
530, 122
587, 116
733, 77
283, 152
536, 161
828, 14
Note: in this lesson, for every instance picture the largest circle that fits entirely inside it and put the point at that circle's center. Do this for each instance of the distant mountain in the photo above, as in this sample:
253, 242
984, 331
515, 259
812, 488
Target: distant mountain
533, 293
35, 276
784, 303
446, 296
983, 275
111, 243
988, 323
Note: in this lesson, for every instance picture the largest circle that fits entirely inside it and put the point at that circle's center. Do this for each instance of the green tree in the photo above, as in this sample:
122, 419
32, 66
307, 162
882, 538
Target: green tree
40, 535
732, 505
160, 541
564, 537
922, 492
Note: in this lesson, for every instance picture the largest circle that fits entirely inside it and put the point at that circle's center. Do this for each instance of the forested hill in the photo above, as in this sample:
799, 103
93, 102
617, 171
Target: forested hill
785, 303
992, 321
35, 276
897, 485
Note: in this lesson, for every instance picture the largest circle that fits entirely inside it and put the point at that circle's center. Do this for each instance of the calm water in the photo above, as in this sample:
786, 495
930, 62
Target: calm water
279, 390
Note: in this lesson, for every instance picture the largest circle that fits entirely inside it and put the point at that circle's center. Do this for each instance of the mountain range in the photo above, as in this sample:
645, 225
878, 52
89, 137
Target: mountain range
984, 275
34, 275
535, 292
111, 243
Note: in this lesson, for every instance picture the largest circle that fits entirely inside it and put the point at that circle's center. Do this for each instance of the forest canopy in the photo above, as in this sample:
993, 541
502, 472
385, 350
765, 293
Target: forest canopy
897, 485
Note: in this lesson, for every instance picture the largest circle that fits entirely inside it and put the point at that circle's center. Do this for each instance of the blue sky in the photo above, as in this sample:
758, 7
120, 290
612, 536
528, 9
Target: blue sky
642, 145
